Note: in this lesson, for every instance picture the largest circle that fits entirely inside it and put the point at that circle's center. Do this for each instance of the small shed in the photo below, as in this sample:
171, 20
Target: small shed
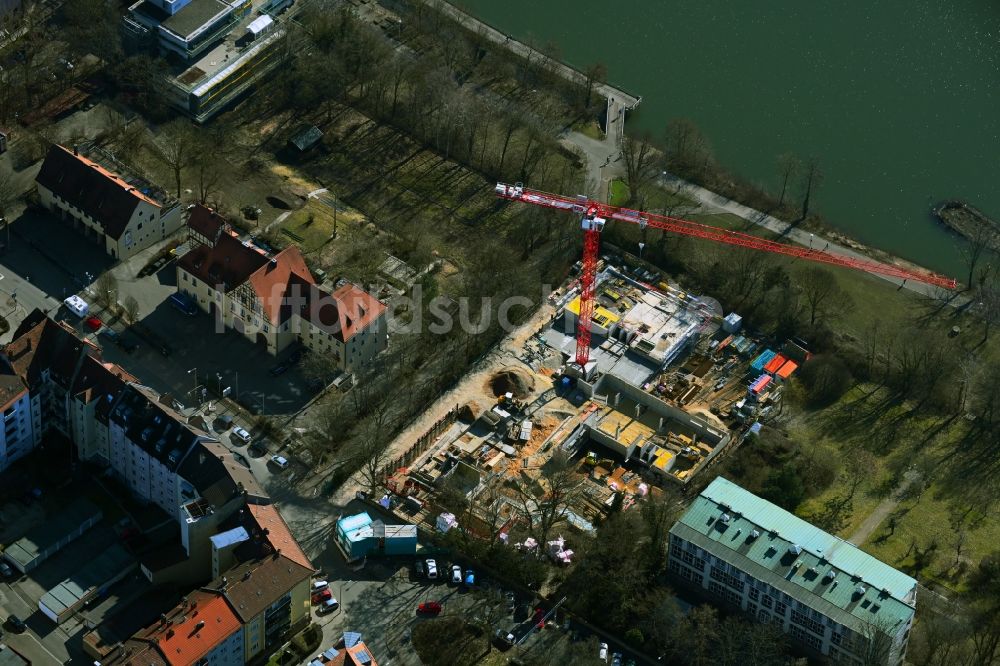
306, 138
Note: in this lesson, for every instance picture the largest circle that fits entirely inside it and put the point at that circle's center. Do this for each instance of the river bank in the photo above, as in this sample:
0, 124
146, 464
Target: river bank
885, 160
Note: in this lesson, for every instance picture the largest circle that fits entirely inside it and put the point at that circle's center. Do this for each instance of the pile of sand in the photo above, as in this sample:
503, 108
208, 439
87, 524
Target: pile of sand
515, 381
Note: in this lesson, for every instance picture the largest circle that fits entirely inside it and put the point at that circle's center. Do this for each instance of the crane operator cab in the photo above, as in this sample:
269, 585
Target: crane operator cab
592, 223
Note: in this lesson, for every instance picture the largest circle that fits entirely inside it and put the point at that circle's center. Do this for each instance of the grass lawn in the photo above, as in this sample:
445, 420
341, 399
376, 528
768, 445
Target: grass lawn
589, 128
311, 227
619, 193
921, 535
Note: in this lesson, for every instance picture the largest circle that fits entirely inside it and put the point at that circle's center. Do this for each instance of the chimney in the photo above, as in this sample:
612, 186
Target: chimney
198, 627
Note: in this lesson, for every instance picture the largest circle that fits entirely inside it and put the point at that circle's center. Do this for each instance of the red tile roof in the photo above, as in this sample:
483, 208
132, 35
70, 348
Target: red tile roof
84, 184
229, 262
40, 343
278, 534
346, 312
271, 281
195, 628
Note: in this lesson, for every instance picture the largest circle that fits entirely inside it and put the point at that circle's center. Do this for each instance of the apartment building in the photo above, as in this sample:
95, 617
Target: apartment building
55, 380
124, 217
833, 599
219, 48
45, 356
16, 431
148, 441
273, 299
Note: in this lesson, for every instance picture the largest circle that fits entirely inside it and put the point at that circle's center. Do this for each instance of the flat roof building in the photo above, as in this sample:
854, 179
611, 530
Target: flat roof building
832, 598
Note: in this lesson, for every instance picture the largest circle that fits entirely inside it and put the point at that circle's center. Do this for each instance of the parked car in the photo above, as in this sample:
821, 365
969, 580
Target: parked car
509, 601
278, 369
280, 461
6, 570
240, 434
328, 606
419, 567
616, 659
321, 596
16, 624
127, 345
93, 323
602, 653
470, 578
109, 333
429, 607
504, 639
319, 586
432, 569
456, 574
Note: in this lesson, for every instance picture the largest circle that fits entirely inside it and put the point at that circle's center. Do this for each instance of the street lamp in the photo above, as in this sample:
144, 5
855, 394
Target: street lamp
194, 370
218, 376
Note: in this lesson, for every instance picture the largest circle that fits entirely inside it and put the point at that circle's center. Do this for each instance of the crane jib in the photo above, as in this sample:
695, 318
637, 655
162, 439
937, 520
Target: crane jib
594, 209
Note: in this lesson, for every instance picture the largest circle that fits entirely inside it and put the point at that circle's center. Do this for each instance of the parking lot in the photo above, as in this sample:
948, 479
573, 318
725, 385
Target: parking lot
380, 601
44, 642
60, 261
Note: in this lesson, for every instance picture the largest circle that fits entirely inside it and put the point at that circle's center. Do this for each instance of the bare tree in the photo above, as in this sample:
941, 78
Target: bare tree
977, 247
640, 164
788, 168
374, 453
875, 640
545, 504
106, 290
811, 179
596, 73
823, 294
988, 296
175, 149
130, 309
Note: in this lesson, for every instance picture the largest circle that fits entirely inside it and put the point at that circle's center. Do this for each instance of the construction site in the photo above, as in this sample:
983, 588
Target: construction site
626, 385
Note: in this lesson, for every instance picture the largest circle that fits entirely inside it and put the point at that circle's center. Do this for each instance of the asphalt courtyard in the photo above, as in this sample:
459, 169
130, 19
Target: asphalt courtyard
53, 261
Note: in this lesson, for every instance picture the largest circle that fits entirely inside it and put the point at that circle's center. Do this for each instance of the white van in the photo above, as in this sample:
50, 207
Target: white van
77, 306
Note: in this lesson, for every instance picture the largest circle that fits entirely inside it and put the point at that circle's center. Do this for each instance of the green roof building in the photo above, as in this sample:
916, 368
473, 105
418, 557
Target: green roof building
830, 597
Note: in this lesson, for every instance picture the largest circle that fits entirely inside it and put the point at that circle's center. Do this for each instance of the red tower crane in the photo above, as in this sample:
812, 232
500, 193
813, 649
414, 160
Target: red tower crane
594, 215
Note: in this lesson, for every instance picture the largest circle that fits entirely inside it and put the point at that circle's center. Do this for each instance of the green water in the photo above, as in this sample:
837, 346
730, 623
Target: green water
897, 99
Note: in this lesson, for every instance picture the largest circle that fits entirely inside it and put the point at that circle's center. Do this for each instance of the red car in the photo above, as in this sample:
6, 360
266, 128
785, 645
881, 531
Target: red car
322, 596
94, 323
429, 608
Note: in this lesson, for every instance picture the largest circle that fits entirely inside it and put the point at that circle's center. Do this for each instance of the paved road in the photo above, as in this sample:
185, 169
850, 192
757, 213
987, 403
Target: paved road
529, 53
604, 164
717, 202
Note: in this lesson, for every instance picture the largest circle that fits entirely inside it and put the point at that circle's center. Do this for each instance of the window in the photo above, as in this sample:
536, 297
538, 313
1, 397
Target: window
809, 623
754, 594
780, 607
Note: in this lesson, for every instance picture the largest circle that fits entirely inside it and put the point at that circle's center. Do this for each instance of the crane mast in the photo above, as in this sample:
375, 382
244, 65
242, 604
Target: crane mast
594, 215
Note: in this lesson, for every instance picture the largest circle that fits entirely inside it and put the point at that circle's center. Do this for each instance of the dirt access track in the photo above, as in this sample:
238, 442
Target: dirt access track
476, 388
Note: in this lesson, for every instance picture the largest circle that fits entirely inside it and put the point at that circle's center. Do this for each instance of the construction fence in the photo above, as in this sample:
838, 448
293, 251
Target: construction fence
423, 442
